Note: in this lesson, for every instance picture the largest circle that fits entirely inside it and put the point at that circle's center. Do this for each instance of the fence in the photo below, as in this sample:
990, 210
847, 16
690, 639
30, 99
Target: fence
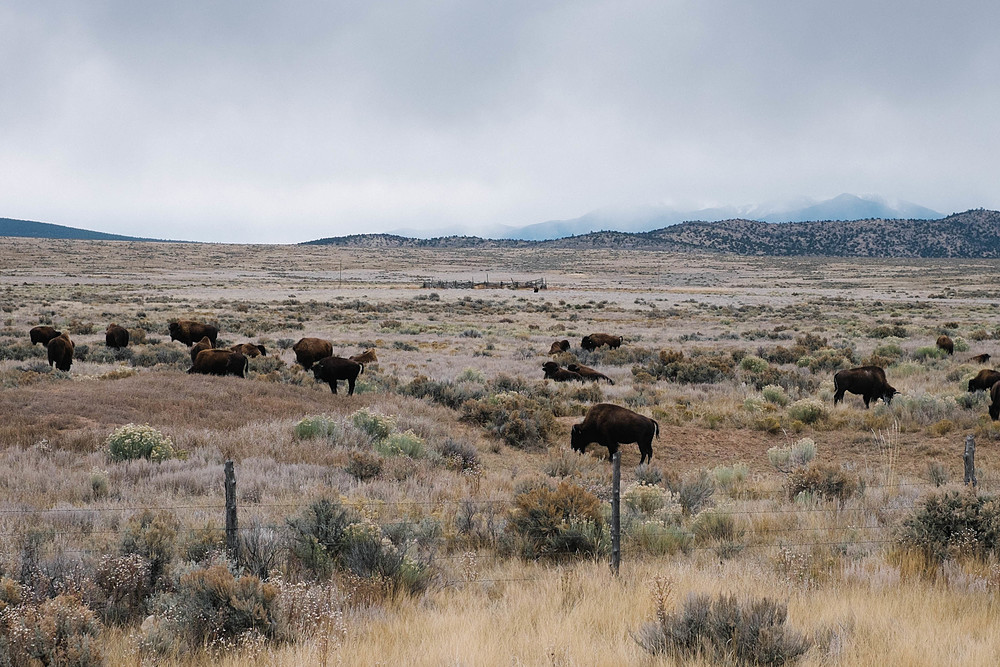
535, 285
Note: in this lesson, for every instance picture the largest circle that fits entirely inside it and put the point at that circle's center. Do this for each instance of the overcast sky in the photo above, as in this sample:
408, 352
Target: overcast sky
284, 122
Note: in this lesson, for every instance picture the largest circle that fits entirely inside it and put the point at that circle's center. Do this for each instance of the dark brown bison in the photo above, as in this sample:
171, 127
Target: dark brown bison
980, 358
116, 337
869, 381
61, 352
220, 362
332, 369
610, 426
189, 331
310, 350
594, 341
366, 357
42, 334
559, 346
249, 350
946, 343
995, 405
553, 372
203, 344
986, 379
589, 373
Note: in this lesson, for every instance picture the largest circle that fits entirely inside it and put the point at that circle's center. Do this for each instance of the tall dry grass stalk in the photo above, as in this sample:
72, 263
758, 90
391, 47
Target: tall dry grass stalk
888, 446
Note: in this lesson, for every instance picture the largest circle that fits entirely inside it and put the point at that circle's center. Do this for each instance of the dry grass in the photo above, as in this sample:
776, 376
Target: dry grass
832, 562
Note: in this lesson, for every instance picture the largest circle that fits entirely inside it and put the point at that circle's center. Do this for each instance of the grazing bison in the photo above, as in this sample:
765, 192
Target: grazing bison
61, 352
995, 405
589, 373
42, 334
189, 331
366, 357
331, 369
946, 343
203, 344
553, 372
594, 341
249, 350
116, 337
980, 358
310, 350
869, 381
986, 379
220, 362
610, 426
559, 346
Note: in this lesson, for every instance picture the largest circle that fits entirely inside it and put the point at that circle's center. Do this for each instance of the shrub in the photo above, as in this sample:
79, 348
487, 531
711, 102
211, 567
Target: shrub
714, 526
520, 421
929, 352
125, 584
133, 441
753, 364
152, 536
318, 535
401, 444
826, 480
799, 454
60, 631
554, 522
161, 353
471, 375
953, 524
376, 426
775, 394
694, 491
731, 479
317, 426
645, 498
369, 555
364, 466
459, 455
657, 539
807, 410
810, 341
888, 331
724, 630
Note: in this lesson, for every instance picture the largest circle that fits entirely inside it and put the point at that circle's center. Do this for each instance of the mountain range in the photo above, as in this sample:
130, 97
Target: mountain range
47, 230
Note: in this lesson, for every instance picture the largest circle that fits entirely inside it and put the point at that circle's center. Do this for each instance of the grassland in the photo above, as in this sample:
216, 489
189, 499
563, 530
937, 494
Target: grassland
733, 356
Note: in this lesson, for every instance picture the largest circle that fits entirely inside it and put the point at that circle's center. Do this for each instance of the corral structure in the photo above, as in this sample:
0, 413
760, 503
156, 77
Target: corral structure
535, 285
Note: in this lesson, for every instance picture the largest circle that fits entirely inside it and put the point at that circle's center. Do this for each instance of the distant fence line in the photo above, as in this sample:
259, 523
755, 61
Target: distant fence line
536, 285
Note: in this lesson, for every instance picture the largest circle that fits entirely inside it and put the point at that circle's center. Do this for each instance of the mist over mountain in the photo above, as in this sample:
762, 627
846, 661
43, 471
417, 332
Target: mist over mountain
648, 218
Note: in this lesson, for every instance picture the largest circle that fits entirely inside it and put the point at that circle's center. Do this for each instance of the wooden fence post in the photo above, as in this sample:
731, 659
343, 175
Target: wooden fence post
232, 538
969, 457
616, 525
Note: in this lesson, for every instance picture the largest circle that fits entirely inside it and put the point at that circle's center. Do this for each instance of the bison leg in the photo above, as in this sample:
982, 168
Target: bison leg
333, 386
868, 399
646, 449
838, 397
350, 386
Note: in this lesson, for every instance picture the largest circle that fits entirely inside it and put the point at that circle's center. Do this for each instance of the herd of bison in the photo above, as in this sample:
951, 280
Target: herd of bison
605, 424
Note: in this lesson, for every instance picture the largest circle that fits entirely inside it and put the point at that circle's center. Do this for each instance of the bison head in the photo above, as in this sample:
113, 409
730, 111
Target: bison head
889, 393
577, 441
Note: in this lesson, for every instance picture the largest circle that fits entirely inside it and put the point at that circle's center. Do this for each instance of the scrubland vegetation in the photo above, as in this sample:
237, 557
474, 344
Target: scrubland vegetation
438, 516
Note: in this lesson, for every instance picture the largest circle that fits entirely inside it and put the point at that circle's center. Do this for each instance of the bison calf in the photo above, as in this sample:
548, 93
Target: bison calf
596, 340
249, 350
869, 381
332, 369
553, 372
204, 344
980, 358
220, 362
946, 343
610, 426
559, 346
60, 351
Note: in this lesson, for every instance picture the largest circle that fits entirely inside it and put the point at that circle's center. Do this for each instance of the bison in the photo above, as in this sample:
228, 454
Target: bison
553, 372
203, 344
61, 352
42, 335
116, 337
869, 381
310, 350
559, 346
596, 340
995, 405
220, 362
589, 373
366, 357
986, 379
332, 369
610, 426
189, 331
946, 343
249, 350
980, 358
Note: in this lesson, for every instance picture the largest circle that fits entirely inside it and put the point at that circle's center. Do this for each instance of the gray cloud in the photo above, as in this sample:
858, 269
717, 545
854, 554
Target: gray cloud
284, 122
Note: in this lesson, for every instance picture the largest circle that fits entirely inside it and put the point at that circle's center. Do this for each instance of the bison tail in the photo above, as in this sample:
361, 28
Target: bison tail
656, 428
362, 369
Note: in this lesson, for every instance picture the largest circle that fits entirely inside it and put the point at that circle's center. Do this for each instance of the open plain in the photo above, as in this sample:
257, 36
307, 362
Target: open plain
490, 541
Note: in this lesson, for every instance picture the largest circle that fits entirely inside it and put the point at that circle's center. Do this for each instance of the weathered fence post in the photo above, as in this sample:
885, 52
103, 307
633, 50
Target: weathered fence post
232, 539
616, 507
969, 457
